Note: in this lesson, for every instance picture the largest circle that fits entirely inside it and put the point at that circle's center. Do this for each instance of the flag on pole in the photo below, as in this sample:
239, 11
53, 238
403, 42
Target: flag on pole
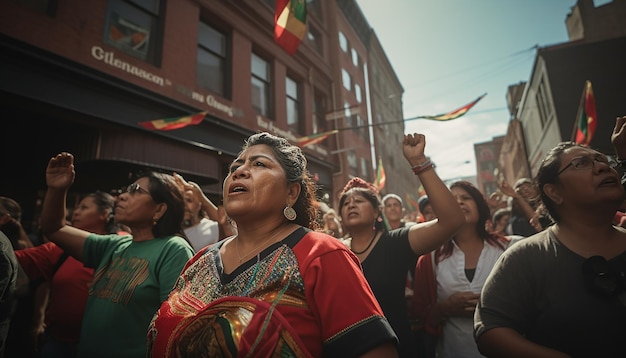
315, 138
412, 204
289, 24
456, 113
587, 118
420, 191
168, 124
381, 178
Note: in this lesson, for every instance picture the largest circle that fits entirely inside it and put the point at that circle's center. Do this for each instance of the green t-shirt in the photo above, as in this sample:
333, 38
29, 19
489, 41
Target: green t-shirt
131, 280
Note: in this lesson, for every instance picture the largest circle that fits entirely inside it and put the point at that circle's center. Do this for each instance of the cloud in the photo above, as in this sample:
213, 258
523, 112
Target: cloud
451, 144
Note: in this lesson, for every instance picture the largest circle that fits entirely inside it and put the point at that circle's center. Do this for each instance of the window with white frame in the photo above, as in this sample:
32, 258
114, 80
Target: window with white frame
346, 79
352, 163
357, 93
355, 58
343, 42
211, 66
319, 112
315, 39
261, 84
364, 170
294, 120
134, 27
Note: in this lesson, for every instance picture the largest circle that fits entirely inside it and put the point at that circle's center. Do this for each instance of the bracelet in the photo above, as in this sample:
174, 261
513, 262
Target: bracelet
422, 167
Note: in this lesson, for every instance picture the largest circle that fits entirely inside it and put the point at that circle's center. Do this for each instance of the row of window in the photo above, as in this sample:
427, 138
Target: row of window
133, 26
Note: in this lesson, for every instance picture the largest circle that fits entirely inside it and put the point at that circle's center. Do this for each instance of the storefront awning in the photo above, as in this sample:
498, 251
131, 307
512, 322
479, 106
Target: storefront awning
119, 155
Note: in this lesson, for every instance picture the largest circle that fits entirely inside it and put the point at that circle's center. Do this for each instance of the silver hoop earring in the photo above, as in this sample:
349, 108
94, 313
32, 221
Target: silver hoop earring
290, 213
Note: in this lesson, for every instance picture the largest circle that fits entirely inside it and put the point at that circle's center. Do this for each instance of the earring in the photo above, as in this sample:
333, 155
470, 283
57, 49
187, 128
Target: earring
289, 213
155, 220
378, 221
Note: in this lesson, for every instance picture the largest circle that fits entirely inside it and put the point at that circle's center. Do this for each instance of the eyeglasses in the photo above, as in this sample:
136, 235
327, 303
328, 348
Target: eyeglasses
604, 278
588, 162
134, 188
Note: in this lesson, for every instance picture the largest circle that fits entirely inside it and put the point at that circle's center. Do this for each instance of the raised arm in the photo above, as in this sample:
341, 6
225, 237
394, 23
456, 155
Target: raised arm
528, 210
215, 213
428, 236
618, 138
207, 204
59, 177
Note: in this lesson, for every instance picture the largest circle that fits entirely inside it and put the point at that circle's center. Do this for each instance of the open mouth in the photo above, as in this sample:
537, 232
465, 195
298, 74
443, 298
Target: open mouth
609, 181
236, 188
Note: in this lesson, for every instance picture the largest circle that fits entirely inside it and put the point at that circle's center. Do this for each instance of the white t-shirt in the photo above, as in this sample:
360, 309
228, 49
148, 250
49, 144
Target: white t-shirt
205, 233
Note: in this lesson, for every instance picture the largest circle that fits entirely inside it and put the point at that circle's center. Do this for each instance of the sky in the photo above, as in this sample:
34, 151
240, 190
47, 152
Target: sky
446, 53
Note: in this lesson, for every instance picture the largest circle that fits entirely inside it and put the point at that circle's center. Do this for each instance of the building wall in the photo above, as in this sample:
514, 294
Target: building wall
386, 100
589, 23
353, 146
487, 156
58, 65
513, 163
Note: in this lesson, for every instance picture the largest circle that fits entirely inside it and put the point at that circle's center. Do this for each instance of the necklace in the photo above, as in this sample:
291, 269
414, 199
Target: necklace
255, 248
368, 245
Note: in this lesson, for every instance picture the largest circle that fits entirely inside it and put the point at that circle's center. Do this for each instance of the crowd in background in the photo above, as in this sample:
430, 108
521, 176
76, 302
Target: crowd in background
158, 269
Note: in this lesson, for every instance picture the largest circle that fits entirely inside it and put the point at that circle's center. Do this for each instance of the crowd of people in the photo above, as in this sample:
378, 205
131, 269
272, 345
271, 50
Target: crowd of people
536, 269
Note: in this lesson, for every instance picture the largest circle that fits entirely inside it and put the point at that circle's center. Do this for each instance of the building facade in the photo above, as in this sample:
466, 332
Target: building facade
487, 155
82, 75
545, 113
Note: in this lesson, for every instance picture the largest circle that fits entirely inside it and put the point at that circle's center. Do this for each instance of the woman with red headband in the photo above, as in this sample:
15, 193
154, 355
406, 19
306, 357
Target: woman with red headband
386, 256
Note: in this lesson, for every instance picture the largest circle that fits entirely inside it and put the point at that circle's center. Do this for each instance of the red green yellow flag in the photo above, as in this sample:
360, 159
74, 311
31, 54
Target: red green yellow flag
411, 203
587, 119
289, 24
456, 113
168, 124
315, 138
381, 178
420, 191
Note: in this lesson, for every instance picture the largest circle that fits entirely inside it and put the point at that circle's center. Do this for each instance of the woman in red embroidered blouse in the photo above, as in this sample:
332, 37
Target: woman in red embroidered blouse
277, 287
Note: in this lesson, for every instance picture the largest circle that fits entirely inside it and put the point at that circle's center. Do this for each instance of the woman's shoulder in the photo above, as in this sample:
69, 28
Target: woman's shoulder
540, 243
175, 241
315, 244
112, 238
323, 241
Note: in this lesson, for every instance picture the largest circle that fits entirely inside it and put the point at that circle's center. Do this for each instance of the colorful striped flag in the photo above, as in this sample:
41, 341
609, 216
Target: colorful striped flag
381, 178
411, 203
587, 117
315, 138
168, 124
420, 191
289, 24
456, 113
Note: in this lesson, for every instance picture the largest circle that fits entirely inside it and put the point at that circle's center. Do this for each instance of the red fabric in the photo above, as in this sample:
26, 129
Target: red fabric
70, 285
174, 123
588, 117
330, 273
289, 29
424, 294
